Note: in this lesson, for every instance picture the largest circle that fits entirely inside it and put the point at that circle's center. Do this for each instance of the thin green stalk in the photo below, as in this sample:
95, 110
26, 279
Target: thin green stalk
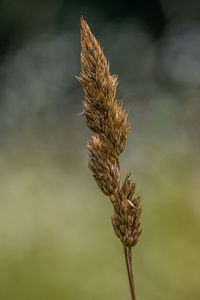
128, 257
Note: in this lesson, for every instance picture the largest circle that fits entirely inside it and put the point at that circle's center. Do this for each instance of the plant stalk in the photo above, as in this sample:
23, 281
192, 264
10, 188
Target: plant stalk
128, 257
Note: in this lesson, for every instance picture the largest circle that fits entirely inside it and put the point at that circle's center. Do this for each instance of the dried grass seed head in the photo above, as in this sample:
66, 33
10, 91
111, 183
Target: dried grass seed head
108, 120
103, 166
103, 114
126, 219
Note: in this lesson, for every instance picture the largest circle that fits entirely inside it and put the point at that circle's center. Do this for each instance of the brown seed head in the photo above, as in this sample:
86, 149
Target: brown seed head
126, 219
103, 114
108, 120
102, 166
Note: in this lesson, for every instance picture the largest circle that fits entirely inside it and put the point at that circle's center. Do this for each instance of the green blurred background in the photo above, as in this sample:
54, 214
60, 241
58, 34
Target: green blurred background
56, 238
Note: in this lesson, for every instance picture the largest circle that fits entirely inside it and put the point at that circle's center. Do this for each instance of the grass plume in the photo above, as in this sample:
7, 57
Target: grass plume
108, 120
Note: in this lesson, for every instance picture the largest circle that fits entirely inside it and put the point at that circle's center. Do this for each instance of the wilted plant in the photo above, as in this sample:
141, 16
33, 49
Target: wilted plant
108, 120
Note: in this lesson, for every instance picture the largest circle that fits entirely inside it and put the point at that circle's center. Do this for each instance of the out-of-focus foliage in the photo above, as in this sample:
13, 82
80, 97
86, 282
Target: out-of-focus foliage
56, 236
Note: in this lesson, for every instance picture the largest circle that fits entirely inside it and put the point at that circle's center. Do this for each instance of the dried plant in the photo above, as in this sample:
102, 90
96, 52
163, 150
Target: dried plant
108, 120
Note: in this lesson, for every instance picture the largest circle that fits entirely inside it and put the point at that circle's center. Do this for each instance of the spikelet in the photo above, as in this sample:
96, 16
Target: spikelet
103, 115
102, 166
126, 219
108, 121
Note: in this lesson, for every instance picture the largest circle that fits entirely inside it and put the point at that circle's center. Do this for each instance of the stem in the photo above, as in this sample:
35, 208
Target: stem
128, 257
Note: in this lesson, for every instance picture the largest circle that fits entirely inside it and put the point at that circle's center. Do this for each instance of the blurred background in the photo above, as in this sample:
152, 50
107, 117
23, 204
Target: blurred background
56, 238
